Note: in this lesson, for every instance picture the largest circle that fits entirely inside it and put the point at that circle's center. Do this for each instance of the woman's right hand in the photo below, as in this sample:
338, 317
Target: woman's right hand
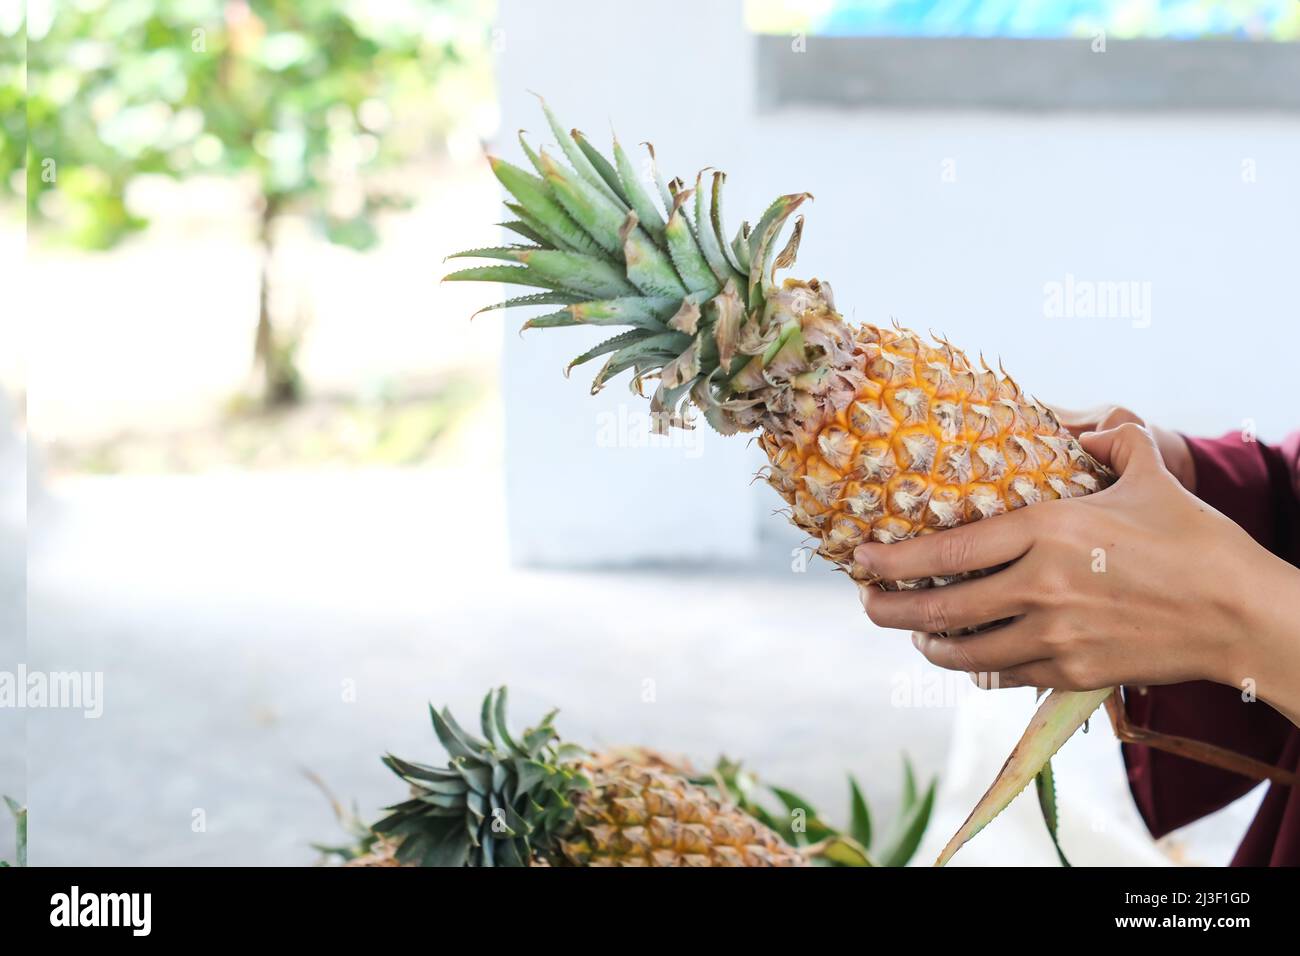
1173, 447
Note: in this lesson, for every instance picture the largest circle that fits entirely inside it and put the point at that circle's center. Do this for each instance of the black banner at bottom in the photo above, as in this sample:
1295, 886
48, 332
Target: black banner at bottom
385, 906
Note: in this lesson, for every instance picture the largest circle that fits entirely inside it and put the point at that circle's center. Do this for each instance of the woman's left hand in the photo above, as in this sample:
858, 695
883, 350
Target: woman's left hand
1141, 583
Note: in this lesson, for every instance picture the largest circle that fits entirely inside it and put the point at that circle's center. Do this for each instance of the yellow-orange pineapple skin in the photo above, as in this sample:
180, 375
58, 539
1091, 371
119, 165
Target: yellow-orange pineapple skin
639, 815
928, 441
642, 810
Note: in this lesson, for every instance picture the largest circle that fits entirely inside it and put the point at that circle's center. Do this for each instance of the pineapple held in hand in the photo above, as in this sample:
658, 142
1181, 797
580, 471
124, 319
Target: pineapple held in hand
535, 801
871, 434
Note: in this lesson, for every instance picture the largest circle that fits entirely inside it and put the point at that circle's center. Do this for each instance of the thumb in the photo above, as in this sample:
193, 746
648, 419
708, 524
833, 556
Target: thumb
1127, 447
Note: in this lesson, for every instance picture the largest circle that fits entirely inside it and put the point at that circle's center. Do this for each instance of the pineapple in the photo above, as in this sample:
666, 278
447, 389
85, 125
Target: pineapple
871, 434
537, 801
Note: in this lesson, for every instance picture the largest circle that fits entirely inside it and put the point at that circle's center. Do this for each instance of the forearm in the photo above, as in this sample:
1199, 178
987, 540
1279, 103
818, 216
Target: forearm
1267, 661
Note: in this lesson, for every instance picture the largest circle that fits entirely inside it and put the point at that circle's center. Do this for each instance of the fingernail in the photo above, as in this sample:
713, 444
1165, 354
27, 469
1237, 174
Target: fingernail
862, 594
916, 639
862, 557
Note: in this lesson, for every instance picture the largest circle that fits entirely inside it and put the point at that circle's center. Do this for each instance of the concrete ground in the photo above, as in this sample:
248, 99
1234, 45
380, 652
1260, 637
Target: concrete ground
13, 606
251, 626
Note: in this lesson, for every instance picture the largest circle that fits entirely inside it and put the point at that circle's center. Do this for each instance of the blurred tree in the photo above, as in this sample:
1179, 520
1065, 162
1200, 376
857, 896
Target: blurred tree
13, 93
301, 100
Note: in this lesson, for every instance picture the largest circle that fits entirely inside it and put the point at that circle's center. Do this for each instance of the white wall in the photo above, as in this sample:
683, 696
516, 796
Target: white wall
663, 72
1156, 199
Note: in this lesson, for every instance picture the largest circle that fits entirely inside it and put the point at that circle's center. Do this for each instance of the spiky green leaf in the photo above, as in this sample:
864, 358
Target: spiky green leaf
665, 194
612, 344
601, 165
652, 220
762, 241
706, 234
535, 298
645, 312
800, 809
455, 743
508, 253
576, 157
648, 268
574, 272
908, 831
503, 729
522, 228
540, 209
1045, 784
740, 249
551, 320
650, 351
720, 230
844, 851
512, 275
909, 782
685, 252
859, 814
600, 217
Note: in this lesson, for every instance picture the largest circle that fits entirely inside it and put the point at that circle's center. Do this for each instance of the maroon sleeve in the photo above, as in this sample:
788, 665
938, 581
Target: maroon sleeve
1255, 485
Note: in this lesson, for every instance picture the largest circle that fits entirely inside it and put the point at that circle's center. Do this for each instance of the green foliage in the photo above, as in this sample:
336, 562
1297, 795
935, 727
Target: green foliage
20, 821
801, 825
301, 99
1045, 784
13, 94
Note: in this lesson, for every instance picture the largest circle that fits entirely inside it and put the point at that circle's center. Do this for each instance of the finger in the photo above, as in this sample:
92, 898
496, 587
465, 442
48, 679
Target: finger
1079, 419
1116, 416
1127, 447
1095, 419
1042, 673
1177, 456
998, 650
994, 680
949, 608
973, 547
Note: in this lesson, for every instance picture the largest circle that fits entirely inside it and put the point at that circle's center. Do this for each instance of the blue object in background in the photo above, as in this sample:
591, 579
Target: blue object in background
1165, 19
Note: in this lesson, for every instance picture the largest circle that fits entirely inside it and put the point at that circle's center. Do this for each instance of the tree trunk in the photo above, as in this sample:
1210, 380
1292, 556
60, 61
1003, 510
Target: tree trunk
272, 359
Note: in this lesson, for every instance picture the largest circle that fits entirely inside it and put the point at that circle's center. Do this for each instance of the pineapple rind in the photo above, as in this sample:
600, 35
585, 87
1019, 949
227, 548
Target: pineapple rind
926, 441
535, 801
637, 815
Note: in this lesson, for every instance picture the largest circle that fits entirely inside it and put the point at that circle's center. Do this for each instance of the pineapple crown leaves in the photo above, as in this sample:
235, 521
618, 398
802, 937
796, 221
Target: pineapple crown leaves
609, 253
497, 802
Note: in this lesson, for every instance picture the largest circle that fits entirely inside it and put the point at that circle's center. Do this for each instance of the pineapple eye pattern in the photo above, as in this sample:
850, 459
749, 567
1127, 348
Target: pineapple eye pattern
871, 433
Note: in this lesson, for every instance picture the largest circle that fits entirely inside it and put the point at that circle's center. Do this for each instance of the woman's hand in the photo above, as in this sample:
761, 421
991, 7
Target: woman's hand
1141, 583
1172, 446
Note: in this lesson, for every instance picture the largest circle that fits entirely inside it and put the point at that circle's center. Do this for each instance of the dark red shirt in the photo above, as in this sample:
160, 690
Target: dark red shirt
1258, 487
